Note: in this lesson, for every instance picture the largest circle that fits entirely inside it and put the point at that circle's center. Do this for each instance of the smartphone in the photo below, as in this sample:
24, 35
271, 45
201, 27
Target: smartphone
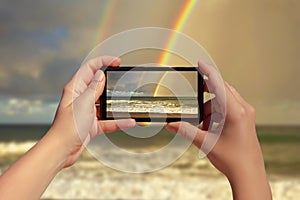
152, 94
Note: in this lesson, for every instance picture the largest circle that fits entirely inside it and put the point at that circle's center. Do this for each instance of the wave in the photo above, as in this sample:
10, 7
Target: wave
15, 148
160, 106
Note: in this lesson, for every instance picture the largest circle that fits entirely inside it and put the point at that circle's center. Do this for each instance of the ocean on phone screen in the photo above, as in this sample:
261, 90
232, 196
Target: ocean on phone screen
119, 102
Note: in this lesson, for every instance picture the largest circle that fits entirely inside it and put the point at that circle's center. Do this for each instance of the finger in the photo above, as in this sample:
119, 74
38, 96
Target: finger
210, 119
222, 91
107, 126
212, 113
207, 114
234, 106
233, 92
206, 122
97, 85
188, 131
207, 108
214, 81
85, 74
92, 93
205, 86
212, 106
93, 65
97, 63
237, 95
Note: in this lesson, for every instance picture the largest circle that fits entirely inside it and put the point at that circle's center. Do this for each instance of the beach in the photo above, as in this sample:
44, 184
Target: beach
187, 178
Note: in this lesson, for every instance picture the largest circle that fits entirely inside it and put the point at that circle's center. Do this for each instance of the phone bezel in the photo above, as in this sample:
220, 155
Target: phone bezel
102, 107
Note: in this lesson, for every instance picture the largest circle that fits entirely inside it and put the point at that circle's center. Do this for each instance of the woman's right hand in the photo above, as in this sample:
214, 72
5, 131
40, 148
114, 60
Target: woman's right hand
237, 153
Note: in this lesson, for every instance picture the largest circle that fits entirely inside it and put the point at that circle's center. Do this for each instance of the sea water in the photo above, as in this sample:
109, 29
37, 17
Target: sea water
187, 178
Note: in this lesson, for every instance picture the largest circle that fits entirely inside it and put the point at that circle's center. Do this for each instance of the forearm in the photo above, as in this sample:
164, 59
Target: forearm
28, 177
250, 184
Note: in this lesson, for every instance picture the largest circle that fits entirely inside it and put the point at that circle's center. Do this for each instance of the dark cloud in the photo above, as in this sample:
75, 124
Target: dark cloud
49, 83
33, 61
255, 44
40, 38
56, 74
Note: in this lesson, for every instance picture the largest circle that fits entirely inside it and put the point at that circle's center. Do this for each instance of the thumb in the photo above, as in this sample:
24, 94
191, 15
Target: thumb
97, 85
188, 131
84, 107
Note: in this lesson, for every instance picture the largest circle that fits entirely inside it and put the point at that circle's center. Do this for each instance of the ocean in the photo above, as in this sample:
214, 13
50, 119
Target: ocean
187, 178
157, 107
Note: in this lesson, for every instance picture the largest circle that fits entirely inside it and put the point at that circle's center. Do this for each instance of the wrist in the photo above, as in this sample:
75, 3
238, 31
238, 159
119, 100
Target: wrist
35, 170
54, 149
250, 182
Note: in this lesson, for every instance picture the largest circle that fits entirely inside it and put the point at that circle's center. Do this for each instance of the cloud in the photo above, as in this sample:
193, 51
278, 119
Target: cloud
35, 61
38, 82
20, 110
43, 43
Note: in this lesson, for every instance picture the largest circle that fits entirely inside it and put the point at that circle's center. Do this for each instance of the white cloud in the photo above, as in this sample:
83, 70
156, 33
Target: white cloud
18, 110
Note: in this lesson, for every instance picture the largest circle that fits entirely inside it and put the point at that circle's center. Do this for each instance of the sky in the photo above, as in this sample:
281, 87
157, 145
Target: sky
255, 44
152, 83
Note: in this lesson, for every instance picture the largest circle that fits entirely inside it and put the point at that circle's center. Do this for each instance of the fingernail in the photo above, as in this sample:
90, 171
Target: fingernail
127, 123
200, 62
131, 123
170, 128
171, 125
99, 75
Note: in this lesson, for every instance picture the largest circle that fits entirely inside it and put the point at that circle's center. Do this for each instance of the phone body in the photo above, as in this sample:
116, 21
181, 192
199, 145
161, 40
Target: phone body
152, 94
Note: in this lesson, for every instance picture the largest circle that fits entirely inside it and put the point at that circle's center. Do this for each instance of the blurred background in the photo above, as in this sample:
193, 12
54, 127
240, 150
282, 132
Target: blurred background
255, 44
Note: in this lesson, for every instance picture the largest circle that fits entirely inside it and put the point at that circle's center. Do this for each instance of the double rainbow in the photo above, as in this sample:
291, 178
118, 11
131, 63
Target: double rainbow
107, 16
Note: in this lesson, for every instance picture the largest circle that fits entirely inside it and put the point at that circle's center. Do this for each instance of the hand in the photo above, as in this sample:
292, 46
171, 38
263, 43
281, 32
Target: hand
74, 125
75, 122
237, 152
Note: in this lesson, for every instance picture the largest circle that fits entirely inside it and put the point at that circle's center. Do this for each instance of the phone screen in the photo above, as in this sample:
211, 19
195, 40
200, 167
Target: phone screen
154, 94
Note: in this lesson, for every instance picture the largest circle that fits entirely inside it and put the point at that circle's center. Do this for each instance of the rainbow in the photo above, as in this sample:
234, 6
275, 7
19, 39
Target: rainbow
178, 26
105, 19
158, 85
107, 16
